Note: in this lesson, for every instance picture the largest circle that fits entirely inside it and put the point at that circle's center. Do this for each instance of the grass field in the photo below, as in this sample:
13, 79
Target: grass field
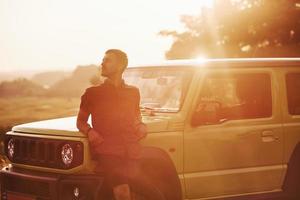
21, 110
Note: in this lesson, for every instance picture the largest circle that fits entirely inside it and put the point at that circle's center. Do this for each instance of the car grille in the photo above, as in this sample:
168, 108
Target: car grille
43, 152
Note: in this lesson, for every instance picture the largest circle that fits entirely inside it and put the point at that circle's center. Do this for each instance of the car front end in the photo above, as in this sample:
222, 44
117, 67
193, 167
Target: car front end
48, 166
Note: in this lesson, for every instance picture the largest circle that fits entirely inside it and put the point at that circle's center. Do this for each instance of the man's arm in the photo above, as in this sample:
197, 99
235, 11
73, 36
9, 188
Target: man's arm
82, 121
84, 113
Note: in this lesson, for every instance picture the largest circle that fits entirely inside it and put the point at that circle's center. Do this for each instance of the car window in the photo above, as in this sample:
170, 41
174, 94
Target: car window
293, 93
162, 89
234, 96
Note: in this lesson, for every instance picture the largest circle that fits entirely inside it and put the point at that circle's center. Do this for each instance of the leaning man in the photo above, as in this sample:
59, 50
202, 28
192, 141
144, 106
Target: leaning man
116, 128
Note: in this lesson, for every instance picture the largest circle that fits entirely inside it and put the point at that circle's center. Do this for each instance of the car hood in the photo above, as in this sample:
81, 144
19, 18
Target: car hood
67, 126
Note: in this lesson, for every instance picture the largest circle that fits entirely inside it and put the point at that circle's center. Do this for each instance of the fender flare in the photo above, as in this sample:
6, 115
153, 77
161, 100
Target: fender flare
159, 167
291, 184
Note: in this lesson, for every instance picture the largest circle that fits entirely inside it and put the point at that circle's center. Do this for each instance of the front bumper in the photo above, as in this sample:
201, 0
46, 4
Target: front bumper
42, 186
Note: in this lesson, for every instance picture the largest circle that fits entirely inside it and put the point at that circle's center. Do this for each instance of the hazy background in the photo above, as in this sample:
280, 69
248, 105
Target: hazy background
61, 34
50, 50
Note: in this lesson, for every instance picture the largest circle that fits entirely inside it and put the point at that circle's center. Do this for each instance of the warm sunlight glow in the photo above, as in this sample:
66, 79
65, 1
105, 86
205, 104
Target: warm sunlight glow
47, 34
208, 3
192, 7
200, 58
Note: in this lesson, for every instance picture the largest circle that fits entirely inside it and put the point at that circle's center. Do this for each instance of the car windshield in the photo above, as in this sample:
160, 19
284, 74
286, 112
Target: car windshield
162, 89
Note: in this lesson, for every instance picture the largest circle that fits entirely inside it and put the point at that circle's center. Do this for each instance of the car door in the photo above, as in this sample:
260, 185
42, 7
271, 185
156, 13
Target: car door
233, 143
291, 109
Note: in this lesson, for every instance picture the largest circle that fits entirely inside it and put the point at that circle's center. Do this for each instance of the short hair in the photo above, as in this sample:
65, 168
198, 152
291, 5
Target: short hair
121, 56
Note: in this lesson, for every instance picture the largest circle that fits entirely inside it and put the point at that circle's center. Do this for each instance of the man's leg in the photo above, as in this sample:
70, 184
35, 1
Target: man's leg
119, 183
115, 175
124, 175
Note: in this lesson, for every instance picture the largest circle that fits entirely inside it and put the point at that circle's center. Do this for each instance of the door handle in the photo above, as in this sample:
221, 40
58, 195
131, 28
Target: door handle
269, 136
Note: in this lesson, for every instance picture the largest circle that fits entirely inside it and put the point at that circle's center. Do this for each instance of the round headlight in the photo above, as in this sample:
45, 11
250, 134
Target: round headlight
11, 148
67, 154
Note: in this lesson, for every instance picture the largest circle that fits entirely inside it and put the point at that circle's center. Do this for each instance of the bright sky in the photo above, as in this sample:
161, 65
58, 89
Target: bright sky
61, 34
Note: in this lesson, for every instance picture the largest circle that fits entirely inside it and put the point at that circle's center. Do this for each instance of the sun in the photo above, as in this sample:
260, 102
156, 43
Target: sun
201, 58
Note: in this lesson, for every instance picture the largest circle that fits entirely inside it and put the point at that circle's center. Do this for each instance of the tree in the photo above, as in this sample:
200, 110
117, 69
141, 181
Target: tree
239, 28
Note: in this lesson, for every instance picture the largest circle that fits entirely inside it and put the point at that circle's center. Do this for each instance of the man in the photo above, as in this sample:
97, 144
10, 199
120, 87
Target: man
116, 125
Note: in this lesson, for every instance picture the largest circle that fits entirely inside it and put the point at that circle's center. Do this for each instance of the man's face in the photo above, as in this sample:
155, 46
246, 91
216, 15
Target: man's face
110, 65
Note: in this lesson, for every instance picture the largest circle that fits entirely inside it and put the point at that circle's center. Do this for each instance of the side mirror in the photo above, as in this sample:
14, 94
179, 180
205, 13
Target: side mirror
207, 112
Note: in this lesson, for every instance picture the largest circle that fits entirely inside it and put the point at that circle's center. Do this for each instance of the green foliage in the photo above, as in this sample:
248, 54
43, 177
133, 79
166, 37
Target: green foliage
240, 28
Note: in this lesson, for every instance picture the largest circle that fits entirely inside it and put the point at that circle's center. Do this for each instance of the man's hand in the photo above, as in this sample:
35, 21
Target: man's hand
94, 137
141, 129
